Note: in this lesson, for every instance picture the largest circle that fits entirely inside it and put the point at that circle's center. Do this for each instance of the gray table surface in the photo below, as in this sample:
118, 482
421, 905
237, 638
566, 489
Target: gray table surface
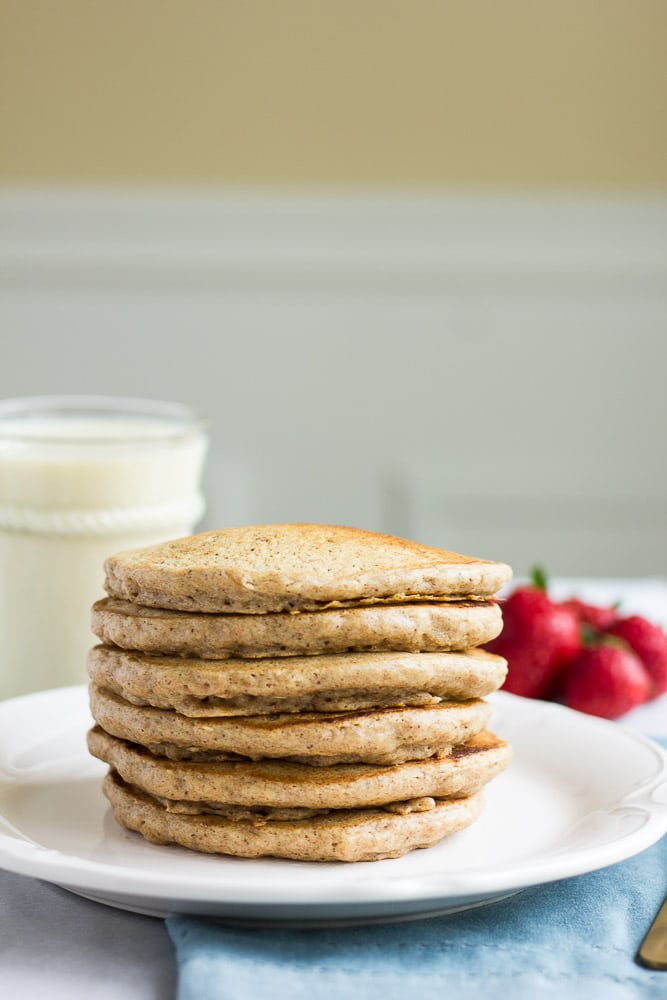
54, 944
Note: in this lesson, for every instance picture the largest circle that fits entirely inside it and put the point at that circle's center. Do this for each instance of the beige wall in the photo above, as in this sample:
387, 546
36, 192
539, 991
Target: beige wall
531, 93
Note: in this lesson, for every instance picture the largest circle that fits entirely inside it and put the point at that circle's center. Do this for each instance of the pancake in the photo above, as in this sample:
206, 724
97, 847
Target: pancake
276, 785
289, 567
296, 690
337, 683
384, 736
343, 835
410, 628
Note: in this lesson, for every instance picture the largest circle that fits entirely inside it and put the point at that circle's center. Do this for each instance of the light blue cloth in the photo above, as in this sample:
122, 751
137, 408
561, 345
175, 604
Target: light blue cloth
569, 939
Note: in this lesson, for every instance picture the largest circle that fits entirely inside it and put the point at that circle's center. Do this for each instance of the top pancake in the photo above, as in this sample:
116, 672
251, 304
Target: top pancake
295, 567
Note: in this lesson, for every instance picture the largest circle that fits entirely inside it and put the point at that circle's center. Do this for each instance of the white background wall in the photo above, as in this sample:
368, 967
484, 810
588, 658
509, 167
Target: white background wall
487, 375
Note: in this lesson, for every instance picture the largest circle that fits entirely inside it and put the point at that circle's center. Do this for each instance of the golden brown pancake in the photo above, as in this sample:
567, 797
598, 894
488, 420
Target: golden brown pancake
343, 835
336, 683
385, 736
410, 628
275, 784
288, 567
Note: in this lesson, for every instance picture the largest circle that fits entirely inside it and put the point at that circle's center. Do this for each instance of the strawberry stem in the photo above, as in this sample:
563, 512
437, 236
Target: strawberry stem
588, 635
539, 577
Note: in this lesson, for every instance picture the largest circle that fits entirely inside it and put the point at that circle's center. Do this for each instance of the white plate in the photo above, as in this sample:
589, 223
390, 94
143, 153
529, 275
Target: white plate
580, 794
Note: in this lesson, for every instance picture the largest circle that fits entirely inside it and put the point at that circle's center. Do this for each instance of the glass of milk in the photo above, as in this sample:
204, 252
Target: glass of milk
82, 477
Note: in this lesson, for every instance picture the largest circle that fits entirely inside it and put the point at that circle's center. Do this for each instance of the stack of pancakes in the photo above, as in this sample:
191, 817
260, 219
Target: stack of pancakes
295, 690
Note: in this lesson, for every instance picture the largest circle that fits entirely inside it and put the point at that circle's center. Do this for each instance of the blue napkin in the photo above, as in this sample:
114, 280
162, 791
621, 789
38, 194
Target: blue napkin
568, 939
577, 937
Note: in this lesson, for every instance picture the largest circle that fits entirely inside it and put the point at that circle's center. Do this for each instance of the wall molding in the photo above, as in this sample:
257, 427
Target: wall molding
209, 239
331, 337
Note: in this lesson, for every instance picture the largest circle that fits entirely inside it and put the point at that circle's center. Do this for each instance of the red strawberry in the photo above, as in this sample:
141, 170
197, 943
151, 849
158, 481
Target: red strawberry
538, 640
649, 642
597, 618
606, 680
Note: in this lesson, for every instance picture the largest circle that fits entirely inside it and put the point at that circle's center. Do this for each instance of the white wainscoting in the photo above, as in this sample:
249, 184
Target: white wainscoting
482, 373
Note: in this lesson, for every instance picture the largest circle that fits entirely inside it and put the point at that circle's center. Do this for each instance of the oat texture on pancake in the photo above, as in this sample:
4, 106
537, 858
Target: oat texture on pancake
302, 691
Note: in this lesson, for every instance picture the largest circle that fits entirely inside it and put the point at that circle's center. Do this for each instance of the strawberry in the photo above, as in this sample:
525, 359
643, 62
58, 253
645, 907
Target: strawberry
599, 619
538, 640
606, 680
649, 643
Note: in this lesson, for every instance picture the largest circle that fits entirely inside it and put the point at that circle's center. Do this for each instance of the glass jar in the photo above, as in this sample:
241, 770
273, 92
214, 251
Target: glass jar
82, 477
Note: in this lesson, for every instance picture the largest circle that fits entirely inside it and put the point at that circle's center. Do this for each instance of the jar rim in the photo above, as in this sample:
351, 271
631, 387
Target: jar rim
22, 420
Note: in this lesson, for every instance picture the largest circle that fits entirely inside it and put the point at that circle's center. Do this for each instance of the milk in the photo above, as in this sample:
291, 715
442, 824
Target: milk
81, 479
